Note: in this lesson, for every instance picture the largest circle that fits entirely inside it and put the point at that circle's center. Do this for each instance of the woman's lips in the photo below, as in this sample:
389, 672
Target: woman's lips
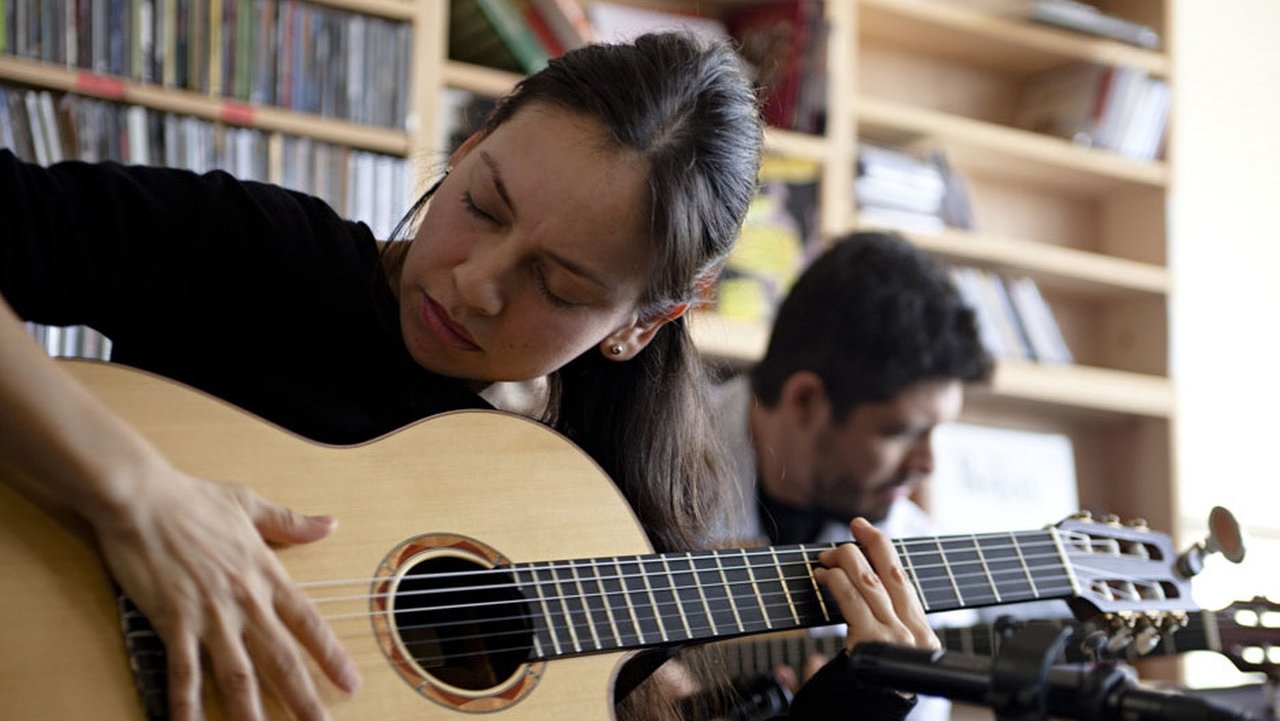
444, 328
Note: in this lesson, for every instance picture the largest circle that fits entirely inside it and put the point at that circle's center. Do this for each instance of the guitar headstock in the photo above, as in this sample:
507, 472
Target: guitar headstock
1126, 577
1249, 632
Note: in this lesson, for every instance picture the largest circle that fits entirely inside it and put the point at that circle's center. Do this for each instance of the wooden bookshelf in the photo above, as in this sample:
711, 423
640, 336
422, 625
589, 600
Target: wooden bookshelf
1082, 272
1088, 225
1018, 154
973, 36
184, 102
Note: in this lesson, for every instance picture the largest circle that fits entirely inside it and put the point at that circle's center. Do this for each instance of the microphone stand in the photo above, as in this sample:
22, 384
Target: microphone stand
1022, 683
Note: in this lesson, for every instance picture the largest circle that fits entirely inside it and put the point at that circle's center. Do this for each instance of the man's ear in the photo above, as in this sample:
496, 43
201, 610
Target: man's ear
627, 342
804, 400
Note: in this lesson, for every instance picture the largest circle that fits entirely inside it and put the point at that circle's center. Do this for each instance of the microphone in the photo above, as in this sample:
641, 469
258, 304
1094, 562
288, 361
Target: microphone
1076, 691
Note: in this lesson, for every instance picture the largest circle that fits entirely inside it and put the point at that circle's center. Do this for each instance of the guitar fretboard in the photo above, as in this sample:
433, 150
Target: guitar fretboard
590, 605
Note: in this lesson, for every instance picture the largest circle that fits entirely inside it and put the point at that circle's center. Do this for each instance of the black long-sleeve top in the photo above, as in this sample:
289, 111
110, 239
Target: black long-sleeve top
258, 295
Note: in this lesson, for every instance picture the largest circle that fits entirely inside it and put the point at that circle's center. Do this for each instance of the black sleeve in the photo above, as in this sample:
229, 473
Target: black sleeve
834, 695
103, 244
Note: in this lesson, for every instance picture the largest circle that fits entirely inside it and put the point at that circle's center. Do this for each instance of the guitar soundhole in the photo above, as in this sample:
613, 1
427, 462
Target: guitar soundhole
464, 624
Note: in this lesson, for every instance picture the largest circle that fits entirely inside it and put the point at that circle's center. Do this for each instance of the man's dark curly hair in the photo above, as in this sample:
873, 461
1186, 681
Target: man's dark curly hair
872, 316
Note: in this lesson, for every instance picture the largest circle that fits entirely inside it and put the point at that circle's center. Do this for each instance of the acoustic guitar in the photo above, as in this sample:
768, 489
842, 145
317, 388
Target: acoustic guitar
483, 565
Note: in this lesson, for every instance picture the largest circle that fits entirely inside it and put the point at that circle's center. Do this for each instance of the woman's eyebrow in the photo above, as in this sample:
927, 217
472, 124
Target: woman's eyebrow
495, 173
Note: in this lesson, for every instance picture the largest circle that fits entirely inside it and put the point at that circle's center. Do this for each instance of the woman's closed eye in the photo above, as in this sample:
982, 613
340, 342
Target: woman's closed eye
540, 279
469, 204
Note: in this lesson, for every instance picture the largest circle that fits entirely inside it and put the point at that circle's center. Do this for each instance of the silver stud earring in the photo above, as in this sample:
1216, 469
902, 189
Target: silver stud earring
616, 349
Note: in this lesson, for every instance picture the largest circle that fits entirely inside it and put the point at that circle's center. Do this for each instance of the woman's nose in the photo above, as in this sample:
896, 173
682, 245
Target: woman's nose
479, 280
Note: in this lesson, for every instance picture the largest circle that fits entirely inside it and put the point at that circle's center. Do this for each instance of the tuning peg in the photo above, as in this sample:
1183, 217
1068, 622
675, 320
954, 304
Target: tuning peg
1139, 524
1120, 635
1224, 537
1082, 515
1146, 637
1111, 519
1171, 621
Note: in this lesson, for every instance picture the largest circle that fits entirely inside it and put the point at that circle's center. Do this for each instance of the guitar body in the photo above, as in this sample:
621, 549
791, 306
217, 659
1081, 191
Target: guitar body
480, 480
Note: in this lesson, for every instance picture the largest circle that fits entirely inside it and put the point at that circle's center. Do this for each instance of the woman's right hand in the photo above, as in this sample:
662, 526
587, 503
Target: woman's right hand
193, 556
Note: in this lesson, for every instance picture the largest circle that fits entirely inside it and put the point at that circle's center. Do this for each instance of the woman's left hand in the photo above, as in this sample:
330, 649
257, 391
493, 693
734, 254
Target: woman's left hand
875, 597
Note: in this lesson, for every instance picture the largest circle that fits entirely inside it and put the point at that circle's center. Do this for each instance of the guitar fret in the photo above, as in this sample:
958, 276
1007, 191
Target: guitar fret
771, 587
587, 611
817, 590
653, 602
967, 571
548, 620
689, 594
1005, 568
977, 548
562, 597
608, 608
782, 576
1022, 559
638, 600
743, 590
702, 594
909, 567
728, 588
755, 588
795, 571
618, 582
946, 565
715, 591
675, 597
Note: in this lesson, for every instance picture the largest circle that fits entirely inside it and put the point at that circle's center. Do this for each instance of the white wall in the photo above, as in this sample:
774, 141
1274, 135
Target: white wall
1225, 255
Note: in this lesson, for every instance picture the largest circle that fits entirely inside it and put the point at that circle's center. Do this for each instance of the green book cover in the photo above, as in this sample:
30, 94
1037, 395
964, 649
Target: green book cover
500, 18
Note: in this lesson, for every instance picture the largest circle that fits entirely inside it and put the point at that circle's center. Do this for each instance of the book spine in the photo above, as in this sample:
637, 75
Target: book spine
519, 39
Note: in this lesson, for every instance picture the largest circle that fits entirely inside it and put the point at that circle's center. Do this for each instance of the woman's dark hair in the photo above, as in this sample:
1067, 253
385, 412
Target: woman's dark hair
871, 316
686, 108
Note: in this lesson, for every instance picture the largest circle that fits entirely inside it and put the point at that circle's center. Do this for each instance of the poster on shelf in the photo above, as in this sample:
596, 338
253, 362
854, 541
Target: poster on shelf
988, 479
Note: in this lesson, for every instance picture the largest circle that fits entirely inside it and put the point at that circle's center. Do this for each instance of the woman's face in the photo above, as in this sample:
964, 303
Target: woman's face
535, 248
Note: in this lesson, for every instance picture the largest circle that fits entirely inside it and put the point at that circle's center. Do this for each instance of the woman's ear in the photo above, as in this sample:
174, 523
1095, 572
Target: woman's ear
625, 343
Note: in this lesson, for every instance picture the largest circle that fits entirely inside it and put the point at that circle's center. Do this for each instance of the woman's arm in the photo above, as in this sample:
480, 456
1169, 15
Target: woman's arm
189, 552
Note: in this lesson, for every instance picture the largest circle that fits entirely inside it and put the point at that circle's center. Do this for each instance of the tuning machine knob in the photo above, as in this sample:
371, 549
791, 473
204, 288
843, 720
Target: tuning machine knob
1224, 537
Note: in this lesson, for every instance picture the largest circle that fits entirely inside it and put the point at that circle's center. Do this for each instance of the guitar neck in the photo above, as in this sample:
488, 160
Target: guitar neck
591, 605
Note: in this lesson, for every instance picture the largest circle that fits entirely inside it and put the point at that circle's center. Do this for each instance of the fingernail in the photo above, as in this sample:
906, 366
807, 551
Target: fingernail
351, 681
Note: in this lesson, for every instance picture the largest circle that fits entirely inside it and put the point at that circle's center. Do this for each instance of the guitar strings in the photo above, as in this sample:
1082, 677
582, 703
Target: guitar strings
561, 600
952, 581
986, 575
963, 581
990, 569
716, 556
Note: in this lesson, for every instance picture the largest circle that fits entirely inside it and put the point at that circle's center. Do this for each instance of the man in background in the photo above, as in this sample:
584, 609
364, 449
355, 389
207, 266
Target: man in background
871, 350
